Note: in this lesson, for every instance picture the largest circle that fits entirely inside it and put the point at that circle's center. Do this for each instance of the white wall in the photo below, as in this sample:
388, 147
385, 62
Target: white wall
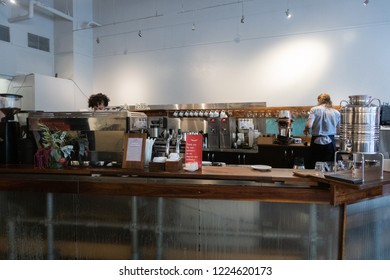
70, 56
340, 47
16, 57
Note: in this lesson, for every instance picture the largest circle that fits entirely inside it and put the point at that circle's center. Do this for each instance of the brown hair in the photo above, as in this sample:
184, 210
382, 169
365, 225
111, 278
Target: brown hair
96, 99
324, 98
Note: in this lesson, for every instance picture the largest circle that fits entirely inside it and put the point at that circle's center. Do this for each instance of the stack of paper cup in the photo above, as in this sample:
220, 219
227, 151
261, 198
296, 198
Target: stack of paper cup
148, 150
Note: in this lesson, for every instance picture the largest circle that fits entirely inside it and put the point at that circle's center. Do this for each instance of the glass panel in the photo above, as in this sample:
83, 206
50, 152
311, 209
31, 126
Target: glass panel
67, 226
368, 225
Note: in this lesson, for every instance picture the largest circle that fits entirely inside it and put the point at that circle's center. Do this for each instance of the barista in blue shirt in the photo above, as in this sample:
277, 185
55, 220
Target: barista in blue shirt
324, 123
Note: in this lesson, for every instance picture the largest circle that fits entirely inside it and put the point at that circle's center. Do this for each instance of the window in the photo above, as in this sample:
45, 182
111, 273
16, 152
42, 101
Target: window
38, 42
4, 33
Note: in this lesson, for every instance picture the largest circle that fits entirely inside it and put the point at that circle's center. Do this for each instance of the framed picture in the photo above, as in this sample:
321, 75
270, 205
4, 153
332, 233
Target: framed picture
134, 150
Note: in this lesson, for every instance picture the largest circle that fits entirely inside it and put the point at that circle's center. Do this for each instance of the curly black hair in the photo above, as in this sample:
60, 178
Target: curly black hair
97, 99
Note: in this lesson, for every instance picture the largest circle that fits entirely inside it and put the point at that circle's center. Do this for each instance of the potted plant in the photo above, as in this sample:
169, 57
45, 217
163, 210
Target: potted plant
56, 148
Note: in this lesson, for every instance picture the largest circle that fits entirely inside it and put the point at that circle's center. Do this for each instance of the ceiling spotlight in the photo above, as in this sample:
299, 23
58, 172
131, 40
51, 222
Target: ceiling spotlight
12, 2
98, 40
242, 19
365, 3
139, 34
193, 27
288, 15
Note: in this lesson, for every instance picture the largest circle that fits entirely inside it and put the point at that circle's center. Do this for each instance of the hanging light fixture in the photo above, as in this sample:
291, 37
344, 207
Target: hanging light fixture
242, 17
365, 3
139, 34
193, 27
288, 14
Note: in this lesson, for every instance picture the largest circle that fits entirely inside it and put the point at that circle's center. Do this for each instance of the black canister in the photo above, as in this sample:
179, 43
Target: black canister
9, 136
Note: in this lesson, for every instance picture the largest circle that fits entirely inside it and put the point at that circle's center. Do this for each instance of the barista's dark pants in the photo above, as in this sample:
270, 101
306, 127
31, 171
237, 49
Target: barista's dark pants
321, 152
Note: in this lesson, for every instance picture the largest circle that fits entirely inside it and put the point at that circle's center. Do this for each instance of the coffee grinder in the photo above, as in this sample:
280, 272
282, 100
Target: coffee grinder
10, 104
284, 127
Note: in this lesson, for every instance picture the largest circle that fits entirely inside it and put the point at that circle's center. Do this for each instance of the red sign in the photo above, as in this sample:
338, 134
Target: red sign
193, 150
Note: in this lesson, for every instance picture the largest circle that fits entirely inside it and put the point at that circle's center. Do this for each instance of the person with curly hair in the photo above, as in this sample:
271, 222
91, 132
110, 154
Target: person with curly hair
98, 101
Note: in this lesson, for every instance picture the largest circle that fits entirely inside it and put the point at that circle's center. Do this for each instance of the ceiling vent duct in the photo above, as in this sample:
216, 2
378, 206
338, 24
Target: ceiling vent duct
30, 14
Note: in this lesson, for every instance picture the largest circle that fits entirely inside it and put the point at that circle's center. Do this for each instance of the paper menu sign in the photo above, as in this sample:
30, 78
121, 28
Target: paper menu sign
134, 149
193, 148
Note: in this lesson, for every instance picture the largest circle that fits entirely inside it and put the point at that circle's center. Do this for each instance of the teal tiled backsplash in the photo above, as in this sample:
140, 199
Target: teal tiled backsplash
298, 125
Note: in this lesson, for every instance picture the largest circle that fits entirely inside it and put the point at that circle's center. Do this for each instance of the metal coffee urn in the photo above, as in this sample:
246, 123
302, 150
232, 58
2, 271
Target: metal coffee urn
359, 132
10, 104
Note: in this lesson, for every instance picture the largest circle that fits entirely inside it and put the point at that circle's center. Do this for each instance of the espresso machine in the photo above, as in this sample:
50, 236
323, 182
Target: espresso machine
10, 104
284, 127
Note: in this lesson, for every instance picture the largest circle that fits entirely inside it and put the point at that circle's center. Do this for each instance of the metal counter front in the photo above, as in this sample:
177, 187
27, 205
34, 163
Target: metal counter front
73, 216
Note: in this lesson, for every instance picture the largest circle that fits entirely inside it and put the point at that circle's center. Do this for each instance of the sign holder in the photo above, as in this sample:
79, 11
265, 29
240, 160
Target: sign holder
134, 150
194, 148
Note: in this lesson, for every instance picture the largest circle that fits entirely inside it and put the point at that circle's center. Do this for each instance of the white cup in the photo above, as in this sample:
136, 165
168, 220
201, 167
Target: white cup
191, 166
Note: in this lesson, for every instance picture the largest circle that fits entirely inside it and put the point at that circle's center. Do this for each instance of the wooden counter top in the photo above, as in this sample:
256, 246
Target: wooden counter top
239, 172
211, 182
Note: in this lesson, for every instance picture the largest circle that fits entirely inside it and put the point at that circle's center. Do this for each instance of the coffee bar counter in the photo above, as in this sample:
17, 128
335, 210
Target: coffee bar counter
228, 212
210, 182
